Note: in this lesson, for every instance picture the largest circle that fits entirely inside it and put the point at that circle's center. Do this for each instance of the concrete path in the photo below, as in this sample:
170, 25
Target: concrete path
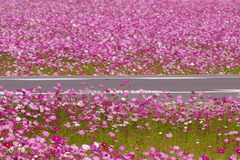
215, 86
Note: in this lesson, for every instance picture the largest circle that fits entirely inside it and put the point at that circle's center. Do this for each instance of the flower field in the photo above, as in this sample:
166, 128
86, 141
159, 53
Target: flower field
119, 37
75, 125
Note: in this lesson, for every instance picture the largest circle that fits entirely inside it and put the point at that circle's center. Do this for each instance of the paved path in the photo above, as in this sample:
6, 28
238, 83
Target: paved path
215, 86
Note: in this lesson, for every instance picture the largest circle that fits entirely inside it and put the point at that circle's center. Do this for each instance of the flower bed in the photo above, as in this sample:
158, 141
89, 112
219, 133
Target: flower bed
119, 37
49, 125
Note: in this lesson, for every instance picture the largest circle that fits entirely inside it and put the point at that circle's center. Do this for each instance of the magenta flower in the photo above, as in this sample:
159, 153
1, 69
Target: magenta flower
237, 150
131, 156
20, 154
7, 144
56, 138
40, 127
56, 128
204, 157
221, 151
40, 97
104, 144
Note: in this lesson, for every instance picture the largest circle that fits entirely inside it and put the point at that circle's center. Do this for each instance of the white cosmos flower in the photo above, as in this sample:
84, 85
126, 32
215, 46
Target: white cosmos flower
10, 150
18, 119
85, 146
96, 144
124, 99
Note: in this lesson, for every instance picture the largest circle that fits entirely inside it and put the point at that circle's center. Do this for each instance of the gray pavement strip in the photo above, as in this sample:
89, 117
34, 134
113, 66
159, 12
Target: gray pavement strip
139, 91
57, 78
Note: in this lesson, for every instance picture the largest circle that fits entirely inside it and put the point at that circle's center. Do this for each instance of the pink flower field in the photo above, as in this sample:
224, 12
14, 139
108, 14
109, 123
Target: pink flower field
43, 125
119, 37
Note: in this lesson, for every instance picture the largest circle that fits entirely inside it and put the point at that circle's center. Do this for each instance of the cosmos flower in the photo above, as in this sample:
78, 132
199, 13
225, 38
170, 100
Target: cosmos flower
169, 135
221, 151
56, 138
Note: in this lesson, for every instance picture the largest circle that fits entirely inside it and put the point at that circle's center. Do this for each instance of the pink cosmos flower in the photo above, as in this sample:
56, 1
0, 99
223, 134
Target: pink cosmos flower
145, 153
233, 157
176, 147
179, 153
169, 135
191, 155
229, 120
52, 117
95, 158
81, 131
45, 133
111, 134
122, 148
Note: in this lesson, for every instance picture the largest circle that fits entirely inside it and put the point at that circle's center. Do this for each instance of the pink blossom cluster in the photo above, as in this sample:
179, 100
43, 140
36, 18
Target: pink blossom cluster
30, 124
119, 37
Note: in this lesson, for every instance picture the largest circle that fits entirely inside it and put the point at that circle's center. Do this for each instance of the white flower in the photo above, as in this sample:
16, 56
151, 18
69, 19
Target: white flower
124, 99
186, 123
21, 149
10, 150
160, 133
66, 154
96, 144
85, 146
